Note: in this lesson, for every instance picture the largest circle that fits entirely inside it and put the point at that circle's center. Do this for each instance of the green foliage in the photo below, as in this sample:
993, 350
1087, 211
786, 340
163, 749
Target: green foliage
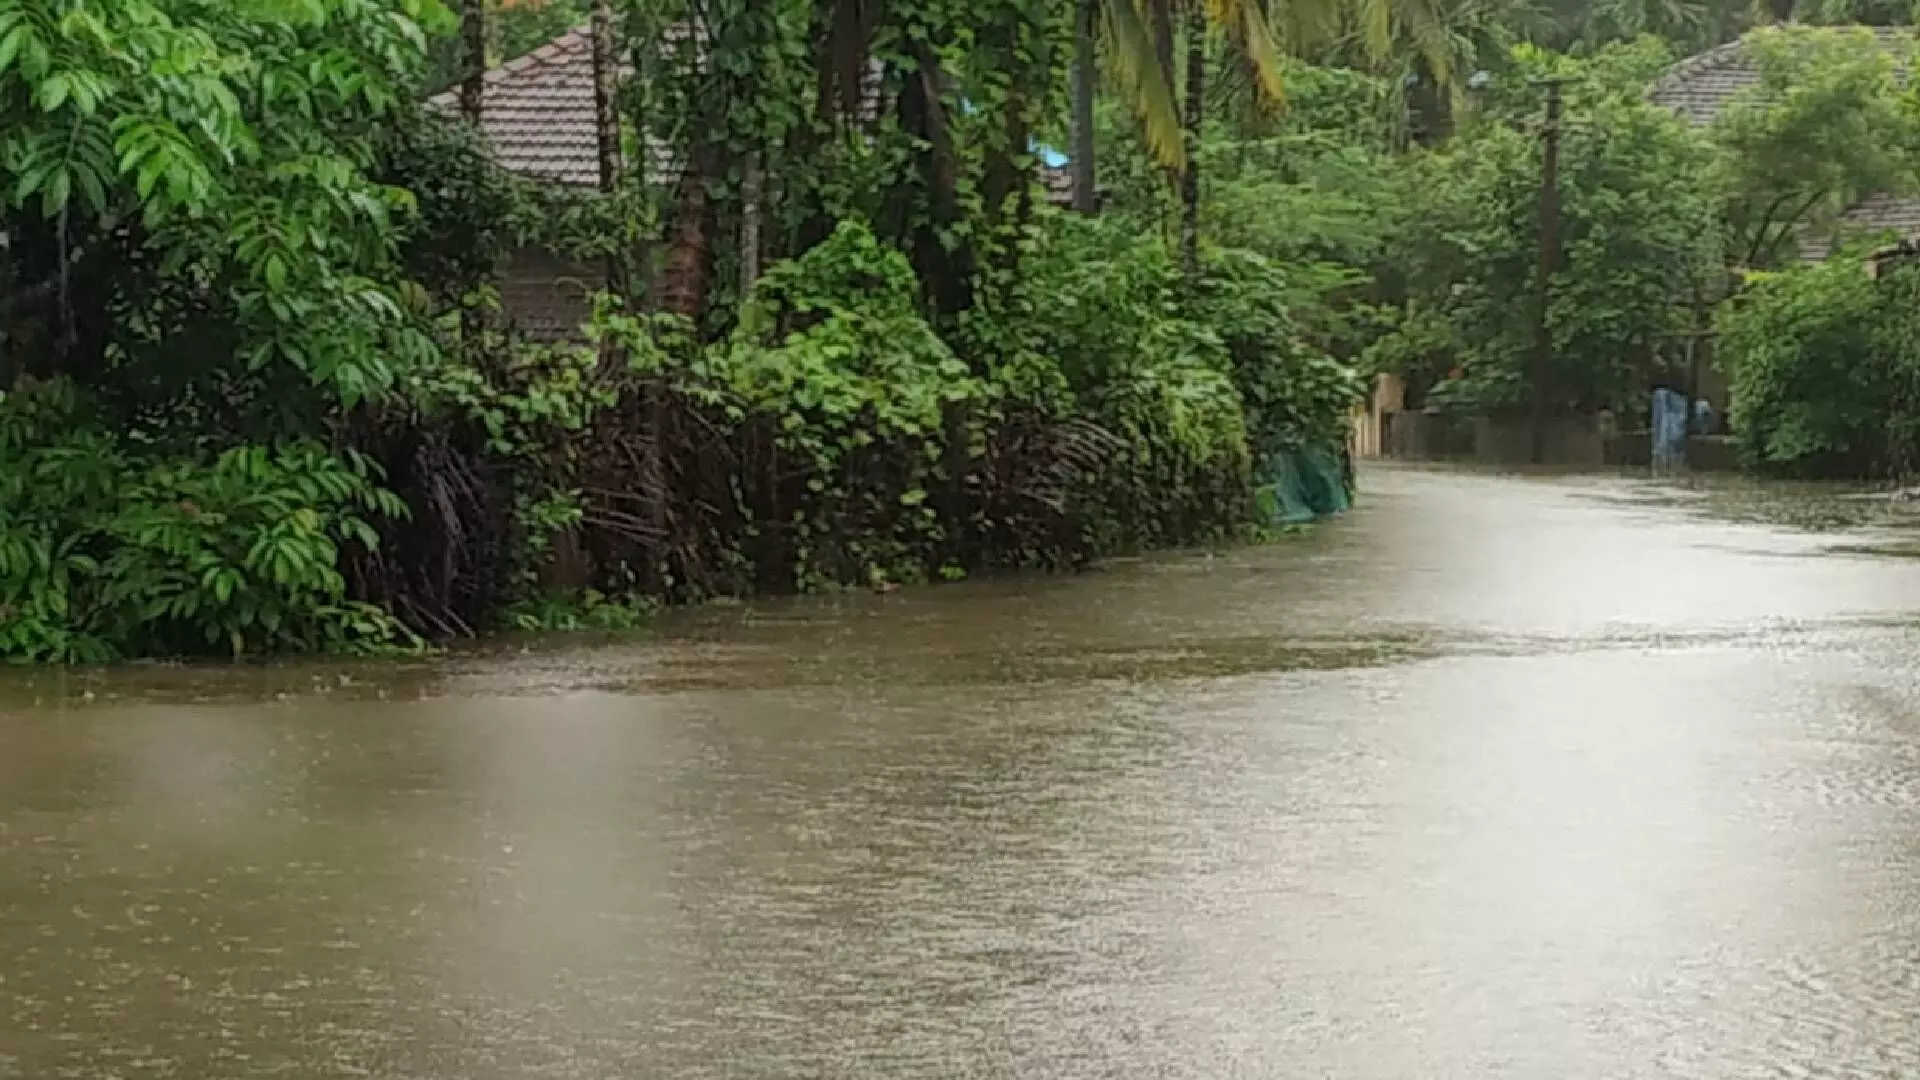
1620, 71
1825, 363
537, 395
1638, 253
198, 277
569, 612
892, 458
1821, 358
832, 352
1825, 127
513, 30
237, 137
109, 552
1106, 309
832, 362
1294, 394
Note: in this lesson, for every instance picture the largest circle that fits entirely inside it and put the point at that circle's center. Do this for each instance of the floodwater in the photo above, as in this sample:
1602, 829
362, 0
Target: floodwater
1495, 777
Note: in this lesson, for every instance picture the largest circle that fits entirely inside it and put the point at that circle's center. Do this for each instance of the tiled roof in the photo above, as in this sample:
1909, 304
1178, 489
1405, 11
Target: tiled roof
1880, 214
538, 111
538, 116
1700, 87
1059, 184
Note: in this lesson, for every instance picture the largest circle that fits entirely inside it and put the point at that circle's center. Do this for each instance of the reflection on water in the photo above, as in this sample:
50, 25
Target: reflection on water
1495, 777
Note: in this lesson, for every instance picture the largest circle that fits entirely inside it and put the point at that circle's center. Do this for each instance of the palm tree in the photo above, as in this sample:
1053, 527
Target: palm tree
1192, 115
1141, 61
1417, 31
1085, 14
1137, 26
1249, 29
1139, 36
1136, 39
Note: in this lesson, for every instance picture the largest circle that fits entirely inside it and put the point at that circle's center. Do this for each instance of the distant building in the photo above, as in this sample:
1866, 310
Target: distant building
538, 117
1700, 87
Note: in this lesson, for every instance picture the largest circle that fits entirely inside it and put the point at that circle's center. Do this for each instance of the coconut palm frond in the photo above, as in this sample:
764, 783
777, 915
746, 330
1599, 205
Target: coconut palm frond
1133, 58
1253, 37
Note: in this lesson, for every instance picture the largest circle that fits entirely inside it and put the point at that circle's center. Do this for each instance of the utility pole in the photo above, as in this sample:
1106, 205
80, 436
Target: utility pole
1549, 257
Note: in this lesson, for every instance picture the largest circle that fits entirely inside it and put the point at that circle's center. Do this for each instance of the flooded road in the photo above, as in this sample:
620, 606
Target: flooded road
1492, 778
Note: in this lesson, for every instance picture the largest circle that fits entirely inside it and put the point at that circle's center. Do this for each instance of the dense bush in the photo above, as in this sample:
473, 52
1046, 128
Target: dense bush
833, 368
844, 441
198, 281
255, 396
1106, 309
1295, 395
108, 550
1825, 362
1638, 248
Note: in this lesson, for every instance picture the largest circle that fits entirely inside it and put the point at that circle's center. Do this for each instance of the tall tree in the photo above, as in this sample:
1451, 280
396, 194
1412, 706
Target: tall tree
1245, 30
606, 72
1136, 37
1139, 37
473, 39
1086, 15
1825, 128
1193, 116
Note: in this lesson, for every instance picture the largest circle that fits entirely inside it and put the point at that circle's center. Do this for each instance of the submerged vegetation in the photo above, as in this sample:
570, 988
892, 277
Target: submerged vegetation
258, 392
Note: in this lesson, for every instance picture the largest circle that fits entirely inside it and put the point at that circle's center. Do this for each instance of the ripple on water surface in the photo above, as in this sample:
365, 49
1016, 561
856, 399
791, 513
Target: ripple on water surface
1494, 778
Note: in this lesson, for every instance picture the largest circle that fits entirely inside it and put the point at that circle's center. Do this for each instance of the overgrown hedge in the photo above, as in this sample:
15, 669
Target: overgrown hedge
255, 396
832, 438
1824, 364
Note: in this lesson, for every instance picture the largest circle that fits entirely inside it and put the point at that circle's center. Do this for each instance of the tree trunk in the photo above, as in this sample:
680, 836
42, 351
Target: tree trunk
947, 269
606, 75
606, 131
1085, 200
1193, 114
689, 255
473, 88
8, 369
1160, 16
473, 43
752, 189
606, 126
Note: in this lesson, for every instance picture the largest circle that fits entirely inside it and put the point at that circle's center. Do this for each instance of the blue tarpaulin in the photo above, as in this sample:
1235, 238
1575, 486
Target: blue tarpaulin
1294, 487
1669, 427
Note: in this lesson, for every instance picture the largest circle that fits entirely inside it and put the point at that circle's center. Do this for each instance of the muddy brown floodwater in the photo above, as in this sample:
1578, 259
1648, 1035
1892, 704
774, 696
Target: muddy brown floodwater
1495, 777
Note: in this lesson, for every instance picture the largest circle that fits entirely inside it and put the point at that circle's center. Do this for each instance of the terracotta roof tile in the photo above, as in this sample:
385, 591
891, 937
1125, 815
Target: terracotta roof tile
538, 117
1059, 184
1896, 214
538, 111
1700, 87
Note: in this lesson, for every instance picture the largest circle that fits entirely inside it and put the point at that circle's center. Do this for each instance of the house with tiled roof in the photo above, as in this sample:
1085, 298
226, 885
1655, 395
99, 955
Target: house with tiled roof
1700, 87
537, 114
